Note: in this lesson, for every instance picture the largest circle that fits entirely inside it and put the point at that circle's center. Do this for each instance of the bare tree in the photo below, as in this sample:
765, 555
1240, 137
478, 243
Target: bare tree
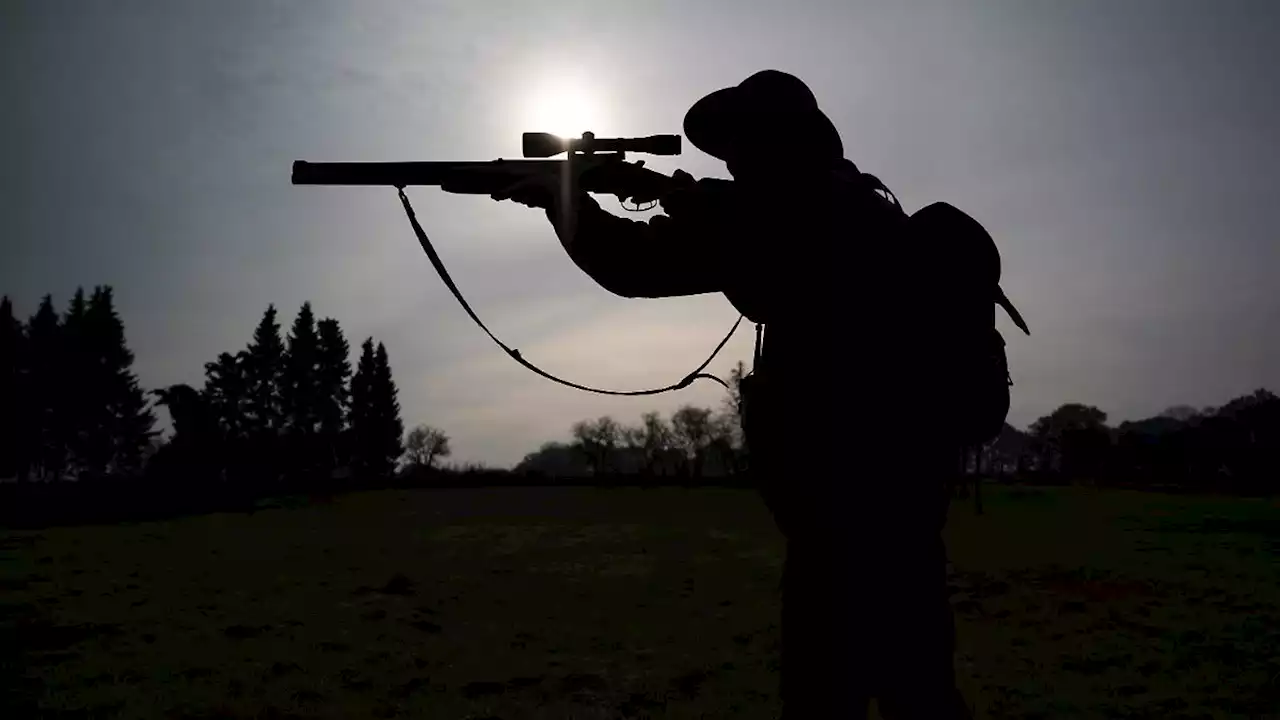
691, 428
658, 440
632, 437
732, 406
632, 456
424, 444
598, 439
725, 430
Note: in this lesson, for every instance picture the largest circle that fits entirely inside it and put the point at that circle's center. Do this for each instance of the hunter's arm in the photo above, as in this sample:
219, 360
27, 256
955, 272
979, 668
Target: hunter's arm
669, 255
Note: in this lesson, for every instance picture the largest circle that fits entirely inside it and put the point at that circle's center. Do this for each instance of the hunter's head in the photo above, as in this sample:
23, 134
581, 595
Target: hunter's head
769, 124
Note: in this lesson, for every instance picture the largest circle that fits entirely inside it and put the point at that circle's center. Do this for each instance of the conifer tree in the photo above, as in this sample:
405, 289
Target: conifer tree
12, 443
118, 420
334, 370
74, 393
263, 370
47, 450
388, 428
300, 388
225, 390
360, 416
376, 427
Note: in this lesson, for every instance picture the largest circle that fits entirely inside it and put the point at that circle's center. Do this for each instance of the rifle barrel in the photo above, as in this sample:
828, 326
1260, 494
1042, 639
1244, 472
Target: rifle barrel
401, 173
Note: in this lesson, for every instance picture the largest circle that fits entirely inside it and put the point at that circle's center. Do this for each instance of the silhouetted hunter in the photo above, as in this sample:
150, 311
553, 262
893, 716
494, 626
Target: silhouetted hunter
873, 319
859, 310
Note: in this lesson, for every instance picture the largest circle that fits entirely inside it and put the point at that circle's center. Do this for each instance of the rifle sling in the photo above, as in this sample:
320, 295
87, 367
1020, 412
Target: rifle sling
515, 354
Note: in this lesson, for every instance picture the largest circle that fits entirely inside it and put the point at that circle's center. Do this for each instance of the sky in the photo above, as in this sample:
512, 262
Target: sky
1123, 155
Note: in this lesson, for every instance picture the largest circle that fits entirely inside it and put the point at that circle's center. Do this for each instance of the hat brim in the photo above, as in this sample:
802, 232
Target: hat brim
722, 122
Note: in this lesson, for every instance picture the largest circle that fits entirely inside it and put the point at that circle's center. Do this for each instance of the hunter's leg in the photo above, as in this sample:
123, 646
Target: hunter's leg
822, 675
919, 641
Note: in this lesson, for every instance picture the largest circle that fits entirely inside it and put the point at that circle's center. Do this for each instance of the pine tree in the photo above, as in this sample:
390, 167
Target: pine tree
11, 369
76, 393
225, 392
388, 427
334, 370
300, 387
134, 423
48, 450
360, 416
225, 398
119, 420
263, 369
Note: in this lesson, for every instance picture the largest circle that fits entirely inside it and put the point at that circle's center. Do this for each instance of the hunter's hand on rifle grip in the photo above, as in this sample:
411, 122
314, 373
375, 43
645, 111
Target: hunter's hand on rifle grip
683, 191
539, 191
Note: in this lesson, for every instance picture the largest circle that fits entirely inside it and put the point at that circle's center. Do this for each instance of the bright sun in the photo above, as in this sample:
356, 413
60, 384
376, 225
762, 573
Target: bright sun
563, 107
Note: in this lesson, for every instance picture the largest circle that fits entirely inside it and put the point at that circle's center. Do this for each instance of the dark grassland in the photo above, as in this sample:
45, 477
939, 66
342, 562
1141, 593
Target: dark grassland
558, 602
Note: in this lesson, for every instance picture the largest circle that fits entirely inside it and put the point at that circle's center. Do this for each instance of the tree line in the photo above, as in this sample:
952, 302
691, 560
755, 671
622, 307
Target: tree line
1233, 449
289, 411
283, 411
72, 406
694, 444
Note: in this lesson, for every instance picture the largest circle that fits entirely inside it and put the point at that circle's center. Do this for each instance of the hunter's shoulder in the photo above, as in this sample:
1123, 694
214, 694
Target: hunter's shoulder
944, 214
942, 209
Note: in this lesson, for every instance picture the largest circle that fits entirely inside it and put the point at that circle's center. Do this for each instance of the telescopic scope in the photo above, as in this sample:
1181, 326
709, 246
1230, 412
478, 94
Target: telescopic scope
543, 145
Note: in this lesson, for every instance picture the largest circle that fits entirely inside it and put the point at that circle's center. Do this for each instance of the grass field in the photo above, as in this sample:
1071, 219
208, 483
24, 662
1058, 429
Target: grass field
558, 603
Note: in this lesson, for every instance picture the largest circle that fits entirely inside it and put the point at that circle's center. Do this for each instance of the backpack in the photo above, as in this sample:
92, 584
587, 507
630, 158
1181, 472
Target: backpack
967, 368
955, 352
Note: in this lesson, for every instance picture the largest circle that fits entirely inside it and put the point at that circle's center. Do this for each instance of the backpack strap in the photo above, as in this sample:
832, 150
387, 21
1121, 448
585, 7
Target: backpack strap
1003, 301
878, 186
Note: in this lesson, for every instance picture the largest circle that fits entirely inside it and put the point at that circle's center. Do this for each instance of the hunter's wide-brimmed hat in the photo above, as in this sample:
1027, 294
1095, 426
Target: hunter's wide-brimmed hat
766, 107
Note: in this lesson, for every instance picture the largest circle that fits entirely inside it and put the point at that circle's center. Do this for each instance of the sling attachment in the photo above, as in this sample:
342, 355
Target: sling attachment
515, 354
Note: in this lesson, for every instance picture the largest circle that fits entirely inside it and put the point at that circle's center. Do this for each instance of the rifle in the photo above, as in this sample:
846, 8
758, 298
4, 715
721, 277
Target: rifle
598, 165
593, 164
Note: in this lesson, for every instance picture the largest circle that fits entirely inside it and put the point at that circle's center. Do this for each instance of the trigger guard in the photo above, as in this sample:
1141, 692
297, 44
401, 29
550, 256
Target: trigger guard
637, 206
